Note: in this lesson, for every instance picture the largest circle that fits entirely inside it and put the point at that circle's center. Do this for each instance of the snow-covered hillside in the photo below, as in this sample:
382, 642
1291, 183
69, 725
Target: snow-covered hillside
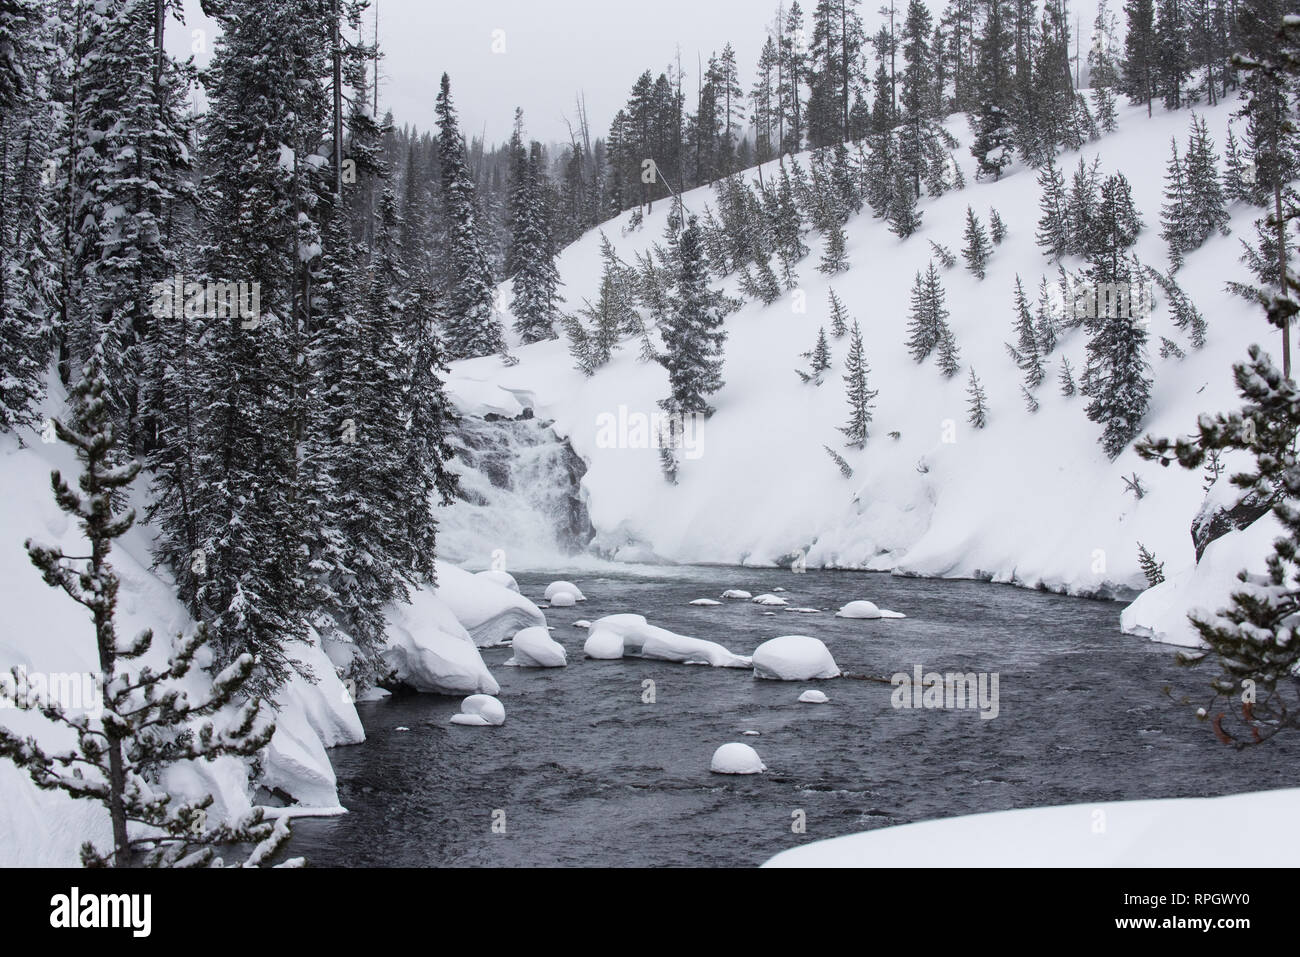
1032, 499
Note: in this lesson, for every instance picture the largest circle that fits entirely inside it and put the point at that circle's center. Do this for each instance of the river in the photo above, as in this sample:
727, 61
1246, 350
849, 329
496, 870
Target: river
585, 772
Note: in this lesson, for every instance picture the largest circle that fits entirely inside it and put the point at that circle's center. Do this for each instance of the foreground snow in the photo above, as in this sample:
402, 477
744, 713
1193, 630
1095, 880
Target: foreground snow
1241, 831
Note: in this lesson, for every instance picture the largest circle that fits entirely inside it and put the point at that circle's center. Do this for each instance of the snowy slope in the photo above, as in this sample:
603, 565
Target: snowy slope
1031, 500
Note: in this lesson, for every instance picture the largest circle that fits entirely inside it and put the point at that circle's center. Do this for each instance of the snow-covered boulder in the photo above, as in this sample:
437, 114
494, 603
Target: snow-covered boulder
563, 599
1160, 613
737, 594
794, 658
604, 644
736, 758
535, 648
490, 612
814, 697
705, 603
866, 610
312, 716
429, 650
632, 635
554, 588
480, 710
504, 579
582, 623
774, 600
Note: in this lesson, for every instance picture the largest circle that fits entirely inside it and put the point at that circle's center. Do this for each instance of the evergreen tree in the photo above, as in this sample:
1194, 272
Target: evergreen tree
473, 326
1172, 63
977, 407
1207, 210
861, 398
1141, 50
977, 250
1047, 321
928, 324
1175, 214
949, 355
1053, 235
693, 335
1250, 640
997, 228
1081, 206
834, 258
1066, 378
903, 217
536, 280
839, 317
1152, 571
1025, 352
1103, 107
820, 358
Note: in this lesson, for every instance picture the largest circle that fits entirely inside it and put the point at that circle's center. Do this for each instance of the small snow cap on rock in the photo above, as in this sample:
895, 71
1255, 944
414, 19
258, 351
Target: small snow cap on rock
554, 588
504, 579
769, 600
563, 599
480, 710
705, 602
583, 623
737, 594
813, 697
736, 758
535, 648
866, 610
794, 658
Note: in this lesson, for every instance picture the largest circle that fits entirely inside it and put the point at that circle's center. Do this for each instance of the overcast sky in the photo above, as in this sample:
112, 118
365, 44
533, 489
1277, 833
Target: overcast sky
554, 49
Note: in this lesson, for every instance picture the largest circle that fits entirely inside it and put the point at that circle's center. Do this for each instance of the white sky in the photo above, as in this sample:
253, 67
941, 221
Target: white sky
554, 49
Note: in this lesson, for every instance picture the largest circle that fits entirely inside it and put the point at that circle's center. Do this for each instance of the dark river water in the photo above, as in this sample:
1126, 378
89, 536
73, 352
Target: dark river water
584, 773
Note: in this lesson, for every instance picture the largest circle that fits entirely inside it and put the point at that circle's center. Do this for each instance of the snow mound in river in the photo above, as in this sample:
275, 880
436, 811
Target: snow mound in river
618, 636
794, 658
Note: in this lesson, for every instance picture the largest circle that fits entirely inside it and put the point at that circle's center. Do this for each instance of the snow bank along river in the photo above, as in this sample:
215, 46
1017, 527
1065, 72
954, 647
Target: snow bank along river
586, 772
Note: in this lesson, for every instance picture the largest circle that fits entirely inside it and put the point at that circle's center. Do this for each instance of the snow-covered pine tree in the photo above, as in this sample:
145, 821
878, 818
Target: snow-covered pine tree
260, 182
1116, 377
1053, 235
928, 323
846, 470
536, 280
693, 333
902, 215
1047, 321
977, 406
820, 358
1183, 312
1140, 52
949, 355
1031, 403
1170, 349
1026, 353
839, 317
27, 250
1103, 108
1172, 61
1251, 640
145, 720
944, 254
1081, 204
1236, 187
1066, 378
1152, 571
614, 314
1207, 210
977, 250
860, 397
1176, 227
997, 228
834, 257
473, 326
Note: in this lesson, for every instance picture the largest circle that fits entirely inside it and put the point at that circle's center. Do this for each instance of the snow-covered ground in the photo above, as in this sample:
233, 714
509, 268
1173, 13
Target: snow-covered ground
432, 645
1239, 831
1032, 499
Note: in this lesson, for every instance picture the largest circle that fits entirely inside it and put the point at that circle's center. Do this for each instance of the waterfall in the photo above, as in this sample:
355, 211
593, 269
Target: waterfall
521, 496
